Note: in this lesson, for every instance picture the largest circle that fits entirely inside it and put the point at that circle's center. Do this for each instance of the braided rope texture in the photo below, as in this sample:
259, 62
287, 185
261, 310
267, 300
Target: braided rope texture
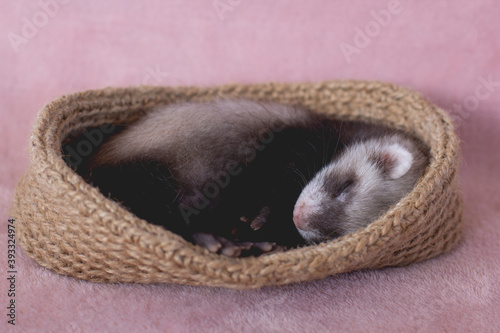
68, 226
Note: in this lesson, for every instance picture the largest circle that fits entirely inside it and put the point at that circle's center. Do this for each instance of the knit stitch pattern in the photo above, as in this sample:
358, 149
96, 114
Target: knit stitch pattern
68, 226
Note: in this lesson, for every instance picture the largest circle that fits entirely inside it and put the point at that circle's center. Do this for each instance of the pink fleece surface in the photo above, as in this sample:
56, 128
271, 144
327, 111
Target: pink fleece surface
444, 50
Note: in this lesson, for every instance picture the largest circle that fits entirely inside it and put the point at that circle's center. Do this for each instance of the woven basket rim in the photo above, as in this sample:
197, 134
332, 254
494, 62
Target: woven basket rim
45, 153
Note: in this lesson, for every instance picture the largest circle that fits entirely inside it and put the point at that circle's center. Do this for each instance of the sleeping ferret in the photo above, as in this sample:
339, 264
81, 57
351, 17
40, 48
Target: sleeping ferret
292, 174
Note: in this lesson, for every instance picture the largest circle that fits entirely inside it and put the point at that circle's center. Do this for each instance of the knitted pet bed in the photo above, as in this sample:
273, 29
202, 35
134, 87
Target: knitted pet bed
68, 226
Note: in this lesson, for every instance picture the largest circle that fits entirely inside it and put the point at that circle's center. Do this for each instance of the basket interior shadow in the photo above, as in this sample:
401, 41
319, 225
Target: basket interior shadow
67, 225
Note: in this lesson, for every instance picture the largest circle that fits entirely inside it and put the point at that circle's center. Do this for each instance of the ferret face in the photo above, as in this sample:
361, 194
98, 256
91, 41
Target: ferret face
354, 189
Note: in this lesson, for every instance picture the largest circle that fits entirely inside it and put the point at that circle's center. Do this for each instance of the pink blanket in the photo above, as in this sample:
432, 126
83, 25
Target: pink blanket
448, 51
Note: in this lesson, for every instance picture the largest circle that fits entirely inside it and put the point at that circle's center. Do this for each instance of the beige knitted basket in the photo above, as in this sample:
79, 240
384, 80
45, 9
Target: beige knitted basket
68, 226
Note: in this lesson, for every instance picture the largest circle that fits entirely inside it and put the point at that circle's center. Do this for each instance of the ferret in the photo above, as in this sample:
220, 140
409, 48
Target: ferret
357, 186
201, 142
295, 175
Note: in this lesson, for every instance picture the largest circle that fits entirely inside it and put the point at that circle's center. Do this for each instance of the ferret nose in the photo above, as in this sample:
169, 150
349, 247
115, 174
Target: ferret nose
299, 216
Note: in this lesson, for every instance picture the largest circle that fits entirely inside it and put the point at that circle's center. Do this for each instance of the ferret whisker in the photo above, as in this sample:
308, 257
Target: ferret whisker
301, 175
339, 136
300, 155
313, 146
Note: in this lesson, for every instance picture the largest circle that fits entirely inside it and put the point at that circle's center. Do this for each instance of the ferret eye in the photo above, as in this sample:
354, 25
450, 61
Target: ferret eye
341, 193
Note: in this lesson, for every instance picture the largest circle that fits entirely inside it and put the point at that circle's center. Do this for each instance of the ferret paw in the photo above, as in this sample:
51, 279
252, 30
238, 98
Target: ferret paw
218, 244
224, 246
258, 221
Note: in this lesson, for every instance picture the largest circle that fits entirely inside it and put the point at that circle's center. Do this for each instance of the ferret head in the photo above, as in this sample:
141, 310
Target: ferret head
357, 187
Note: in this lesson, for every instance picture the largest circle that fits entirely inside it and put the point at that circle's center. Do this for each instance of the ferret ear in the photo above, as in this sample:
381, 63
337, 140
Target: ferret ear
394, 159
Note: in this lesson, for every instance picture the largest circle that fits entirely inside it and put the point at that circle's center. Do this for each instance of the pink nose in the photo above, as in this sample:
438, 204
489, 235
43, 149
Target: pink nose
300, 216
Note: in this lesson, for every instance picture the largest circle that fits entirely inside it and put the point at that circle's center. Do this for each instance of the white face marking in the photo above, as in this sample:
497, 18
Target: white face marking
310, 201
310, 236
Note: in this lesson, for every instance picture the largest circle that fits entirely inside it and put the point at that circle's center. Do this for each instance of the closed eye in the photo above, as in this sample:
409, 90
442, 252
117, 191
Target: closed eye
341, 193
